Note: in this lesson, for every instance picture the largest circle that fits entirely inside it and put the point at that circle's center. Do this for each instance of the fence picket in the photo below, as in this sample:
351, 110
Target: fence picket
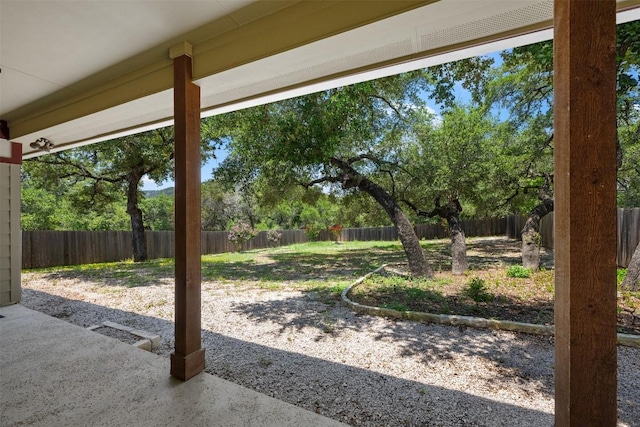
56, 248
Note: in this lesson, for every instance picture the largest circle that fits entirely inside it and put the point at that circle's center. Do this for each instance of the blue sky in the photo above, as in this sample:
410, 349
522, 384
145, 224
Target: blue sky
206, 173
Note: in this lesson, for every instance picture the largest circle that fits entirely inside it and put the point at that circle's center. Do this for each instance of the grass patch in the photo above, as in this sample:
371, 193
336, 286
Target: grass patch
399, 292
519, 272
324, 291
395, 305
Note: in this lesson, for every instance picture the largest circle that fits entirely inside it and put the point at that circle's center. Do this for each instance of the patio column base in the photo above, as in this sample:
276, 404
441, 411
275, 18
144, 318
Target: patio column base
186, 367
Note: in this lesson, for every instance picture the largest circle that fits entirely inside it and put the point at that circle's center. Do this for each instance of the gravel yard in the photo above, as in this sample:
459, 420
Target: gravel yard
315, 353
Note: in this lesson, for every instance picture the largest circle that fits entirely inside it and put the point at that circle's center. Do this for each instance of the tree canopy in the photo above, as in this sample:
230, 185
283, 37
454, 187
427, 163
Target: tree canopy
94, 177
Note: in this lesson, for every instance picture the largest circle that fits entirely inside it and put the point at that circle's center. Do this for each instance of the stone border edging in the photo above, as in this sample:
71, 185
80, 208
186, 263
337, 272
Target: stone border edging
148, 341
454, 320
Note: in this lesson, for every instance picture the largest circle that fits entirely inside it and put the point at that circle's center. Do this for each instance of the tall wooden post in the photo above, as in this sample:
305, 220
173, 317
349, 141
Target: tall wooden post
585, 212
188, 358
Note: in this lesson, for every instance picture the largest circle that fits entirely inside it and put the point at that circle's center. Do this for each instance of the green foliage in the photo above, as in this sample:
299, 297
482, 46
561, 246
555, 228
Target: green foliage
50, 210
169, 192
96, 186
519, 272
158, 212
621, 273
360, 210
313, 230
455, 160
39, 209
293, 142
477, 290
628, 177
521, 85
220, 205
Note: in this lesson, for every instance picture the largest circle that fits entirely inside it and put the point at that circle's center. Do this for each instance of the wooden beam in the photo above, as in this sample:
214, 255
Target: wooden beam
585, 212
4, 130
188, 358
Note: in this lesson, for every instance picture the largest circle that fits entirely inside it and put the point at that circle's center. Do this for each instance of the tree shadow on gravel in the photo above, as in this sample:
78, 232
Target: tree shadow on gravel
358, 396
512, 359
521, 359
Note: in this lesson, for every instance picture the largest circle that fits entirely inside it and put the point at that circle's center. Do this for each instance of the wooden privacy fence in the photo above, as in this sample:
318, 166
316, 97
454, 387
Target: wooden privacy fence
477, 228
42, 249
628, 232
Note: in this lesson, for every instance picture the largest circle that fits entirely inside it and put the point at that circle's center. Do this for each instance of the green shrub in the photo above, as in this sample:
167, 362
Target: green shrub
519, 272
241, 232
476, 289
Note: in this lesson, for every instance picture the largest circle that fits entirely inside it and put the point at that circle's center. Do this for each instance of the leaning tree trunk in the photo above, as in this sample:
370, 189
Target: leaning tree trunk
632, 279
418, 264
138, 239
531, 238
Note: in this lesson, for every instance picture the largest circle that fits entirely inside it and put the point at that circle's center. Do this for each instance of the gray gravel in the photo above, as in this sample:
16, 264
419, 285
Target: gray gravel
362, 370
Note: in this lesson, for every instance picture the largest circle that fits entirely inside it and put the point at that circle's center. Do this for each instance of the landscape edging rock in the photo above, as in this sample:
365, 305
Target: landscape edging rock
454, 320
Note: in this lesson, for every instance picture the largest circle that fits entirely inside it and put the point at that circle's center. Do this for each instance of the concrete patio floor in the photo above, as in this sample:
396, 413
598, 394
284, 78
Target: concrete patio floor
54, 373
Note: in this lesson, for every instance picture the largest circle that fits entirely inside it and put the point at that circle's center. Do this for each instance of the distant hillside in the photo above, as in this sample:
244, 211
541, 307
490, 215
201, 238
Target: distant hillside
164, 192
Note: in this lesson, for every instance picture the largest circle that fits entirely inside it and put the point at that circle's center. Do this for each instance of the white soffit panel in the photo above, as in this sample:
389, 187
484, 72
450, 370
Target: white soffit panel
127, 118
416, 34
428, 31
67, 41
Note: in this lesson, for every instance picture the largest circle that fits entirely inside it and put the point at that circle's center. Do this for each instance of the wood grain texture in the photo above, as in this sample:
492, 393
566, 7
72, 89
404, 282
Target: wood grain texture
585, 206
188, 359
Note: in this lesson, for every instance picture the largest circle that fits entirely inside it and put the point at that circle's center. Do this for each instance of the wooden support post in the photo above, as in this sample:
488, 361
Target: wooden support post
188, 358
585, 212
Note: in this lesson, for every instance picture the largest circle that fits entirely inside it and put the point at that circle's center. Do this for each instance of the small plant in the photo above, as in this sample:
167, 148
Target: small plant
476, 289
519, 272
313, 231
334, 232
241, 232
274, 236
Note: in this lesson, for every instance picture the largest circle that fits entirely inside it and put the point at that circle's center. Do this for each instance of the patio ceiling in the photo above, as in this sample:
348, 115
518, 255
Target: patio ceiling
77, 72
